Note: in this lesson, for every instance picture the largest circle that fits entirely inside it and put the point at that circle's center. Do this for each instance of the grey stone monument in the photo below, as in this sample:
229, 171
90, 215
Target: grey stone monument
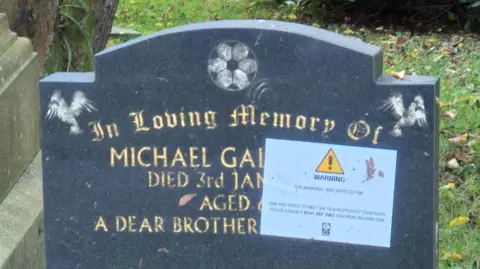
21, 200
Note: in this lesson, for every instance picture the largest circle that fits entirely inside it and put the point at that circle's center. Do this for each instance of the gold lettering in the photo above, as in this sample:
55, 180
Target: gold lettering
210, 120
209, 182
247, 158
226, 164
204, 158
206, 225
177, 225
193, 156
281, 120
195, 118
358, 130
171, 120
121, 223
151, 181
182, 119
131, 223
101, 224
376, 134
206, 202
260, 157
187, 221
263, 117
313, 121
227, 225
168, 179
97, 130
138, 121
241, 225
157, 122
259, 180
159, 224
112, 130
329, 125
215, 225
145, 225
232, 202
179, 158
132, 157
301, 122
163, 156
252, 226
246, 111
140, 158
115, 156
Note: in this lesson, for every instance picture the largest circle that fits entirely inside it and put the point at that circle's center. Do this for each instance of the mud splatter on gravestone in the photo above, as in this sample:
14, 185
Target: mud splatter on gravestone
212, 143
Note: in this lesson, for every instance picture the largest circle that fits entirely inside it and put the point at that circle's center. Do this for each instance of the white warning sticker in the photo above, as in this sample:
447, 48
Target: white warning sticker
328, 192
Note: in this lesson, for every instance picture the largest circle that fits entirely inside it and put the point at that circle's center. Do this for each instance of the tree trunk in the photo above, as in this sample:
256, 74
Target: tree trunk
104, 15
34, 19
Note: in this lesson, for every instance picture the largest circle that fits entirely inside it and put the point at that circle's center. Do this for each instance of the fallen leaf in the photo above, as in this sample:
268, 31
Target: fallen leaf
399, 75
163, 250
450, 114
370, 168
186, 198
414, 53
452, 256
452, 16
458, 221
292, 17
453, 164
348, 31
463, 156
399, 43
449, 186
459, 140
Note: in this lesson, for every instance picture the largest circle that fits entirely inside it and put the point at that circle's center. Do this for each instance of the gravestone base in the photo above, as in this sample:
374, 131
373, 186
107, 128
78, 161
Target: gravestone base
21, 222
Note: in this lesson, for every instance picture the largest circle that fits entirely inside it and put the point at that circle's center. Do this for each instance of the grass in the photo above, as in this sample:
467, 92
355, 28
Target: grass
454, 58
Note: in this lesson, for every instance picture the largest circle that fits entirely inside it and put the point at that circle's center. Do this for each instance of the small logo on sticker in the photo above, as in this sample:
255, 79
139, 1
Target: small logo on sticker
326, 228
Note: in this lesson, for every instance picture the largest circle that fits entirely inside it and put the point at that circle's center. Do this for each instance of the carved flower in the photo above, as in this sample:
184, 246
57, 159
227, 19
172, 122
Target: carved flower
232, 66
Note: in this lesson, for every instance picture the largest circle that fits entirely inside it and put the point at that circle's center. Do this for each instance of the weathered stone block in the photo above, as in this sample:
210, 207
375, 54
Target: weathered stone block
21, 222
19, 120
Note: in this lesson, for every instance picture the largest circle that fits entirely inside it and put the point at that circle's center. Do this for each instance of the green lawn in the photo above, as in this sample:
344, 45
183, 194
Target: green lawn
454, 58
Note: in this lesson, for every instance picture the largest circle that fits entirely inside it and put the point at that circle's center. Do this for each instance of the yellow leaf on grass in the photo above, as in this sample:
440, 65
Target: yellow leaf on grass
458, 221
399, 75
292, 17
414, 53
449, 186
452, 16
452, 256
348, 31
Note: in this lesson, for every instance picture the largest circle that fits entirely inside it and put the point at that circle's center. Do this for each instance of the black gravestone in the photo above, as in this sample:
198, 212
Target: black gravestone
161, 157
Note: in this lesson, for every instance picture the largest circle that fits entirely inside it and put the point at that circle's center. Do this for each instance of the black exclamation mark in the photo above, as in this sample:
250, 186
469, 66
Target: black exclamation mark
330, 161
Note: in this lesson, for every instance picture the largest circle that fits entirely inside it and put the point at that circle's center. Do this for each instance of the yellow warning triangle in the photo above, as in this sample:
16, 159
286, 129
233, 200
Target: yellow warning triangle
330, 164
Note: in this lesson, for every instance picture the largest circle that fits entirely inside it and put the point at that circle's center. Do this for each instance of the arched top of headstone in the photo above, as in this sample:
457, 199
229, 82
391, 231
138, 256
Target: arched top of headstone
319, 34
263, 36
